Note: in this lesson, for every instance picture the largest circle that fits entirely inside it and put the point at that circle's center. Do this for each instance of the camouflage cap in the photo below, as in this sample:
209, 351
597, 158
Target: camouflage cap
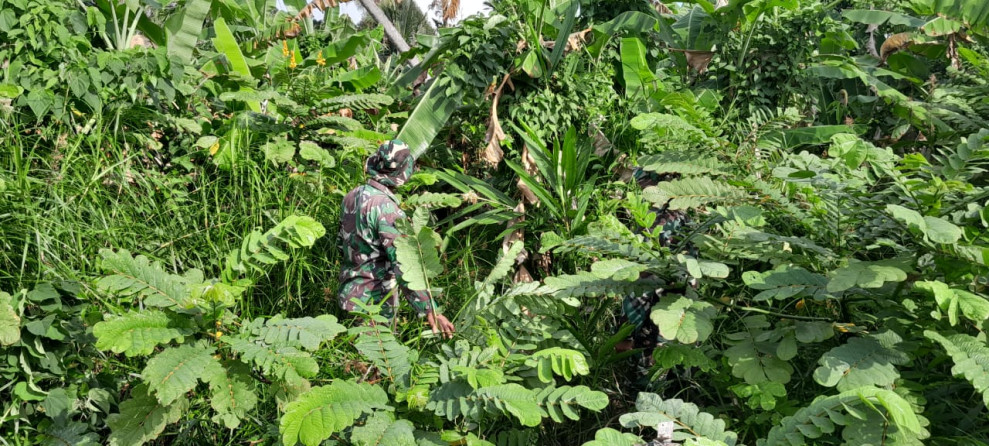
392, 164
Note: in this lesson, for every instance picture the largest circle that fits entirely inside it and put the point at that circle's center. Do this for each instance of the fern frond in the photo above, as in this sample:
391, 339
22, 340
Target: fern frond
431, 200
611, 437
589, 284
971, 357
381, 429
285, 363
304, 332
177, 370
689, 193
690, 422
597, 246
682, 162
259, 250
561, 403
364, 101
826, 412
140, 277
325, 410
684, 319
340, 122
512, 399
563, 362
785, 282
661, 131
231, 393
138, 333
868, 361
379, 345
142, 418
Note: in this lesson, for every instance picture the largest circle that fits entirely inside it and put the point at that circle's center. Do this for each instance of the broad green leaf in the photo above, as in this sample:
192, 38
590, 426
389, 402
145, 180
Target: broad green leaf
617, 269
688, 193
10, 322
325, 410
305, 332
865, 275
638, 76
278, 152
418, 258
226, 44
381, 429
785, 282
310, 151
683, 319
954, 301
142, 418
812, 331
971, 358
877, 17
514, 400
177, 370
232, 393
429, 116
869, 361
139, 333
64, 432
610, 437
183, 28
563, 362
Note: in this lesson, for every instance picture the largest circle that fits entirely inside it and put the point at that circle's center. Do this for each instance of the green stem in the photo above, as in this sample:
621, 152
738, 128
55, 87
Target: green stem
767, 312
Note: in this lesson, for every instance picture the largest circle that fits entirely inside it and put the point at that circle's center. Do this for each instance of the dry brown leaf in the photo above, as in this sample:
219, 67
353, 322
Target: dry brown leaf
321, 5
529, 165
698, 60
663, 9
894, 43
450, 9
492, 152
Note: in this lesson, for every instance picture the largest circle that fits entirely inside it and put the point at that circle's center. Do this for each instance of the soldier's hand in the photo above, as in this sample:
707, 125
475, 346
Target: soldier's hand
440, 324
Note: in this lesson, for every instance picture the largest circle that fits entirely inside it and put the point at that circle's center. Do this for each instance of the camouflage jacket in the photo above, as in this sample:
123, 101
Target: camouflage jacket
367, 235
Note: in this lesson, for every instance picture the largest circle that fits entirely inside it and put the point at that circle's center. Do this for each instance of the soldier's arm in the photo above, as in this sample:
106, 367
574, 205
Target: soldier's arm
388, 214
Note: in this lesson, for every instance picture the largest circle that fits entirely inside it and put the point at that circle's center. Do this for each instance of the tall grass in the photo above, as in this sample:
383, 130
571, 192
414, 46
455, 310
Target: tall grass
67, 195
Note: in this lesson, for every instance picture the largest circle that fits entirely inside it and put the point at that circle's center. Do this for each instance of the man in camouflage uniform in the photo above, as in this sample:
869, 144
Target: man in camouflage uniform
370, 273
636, 308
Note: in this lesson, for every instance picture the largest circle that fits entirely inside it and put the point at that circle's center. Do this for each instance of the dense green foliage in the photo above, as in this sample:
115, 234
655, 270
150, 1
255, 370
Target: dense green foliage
171, 177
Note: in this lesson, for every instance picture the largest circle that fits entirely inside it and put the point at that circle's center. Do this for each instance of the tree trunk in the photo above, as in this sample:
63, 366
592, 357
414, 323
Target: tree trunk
379, 16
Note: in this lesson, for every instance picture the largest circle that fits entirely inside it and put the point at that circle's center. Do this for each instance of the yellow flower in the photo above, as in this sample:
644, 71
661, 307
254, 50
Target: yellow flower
285, 48
291, 63
214, 148
319, 58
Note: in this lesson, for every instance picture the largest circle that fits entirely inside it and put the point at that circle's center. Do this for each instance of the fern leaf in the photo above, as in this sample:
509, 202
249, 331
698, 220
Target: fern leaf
866, 275
138, 333
432, 200
514, 400
597, 246
562, 403
682, 162
259, 250
325, 410
285, 363
868, 361
785, 282
68, 433
825, 413
231, 393
753, 358
381, 429
418, 259
364, 101
382, 348
690, 422
589, 284
340, 122
142, 418
660, 130
175, 371
689, 193
971, 357
504, 264
563, 362
305, 332
138, 276
611, 437
684, 319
